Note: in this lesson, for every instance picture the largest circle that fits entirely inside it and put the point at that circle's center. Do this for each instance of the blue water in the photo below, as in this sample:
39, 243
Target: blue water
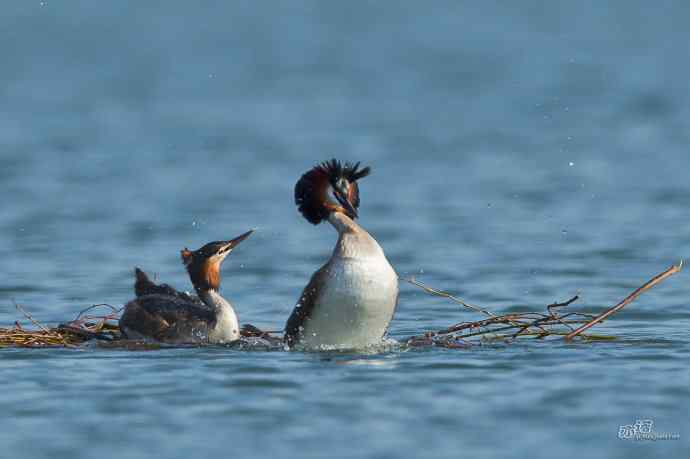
522, 153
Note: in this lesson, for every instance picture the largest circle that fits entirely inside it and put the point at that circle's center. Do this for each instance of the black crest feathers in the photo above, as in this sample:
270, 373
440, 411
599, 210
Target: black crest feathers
336, 170
311, 186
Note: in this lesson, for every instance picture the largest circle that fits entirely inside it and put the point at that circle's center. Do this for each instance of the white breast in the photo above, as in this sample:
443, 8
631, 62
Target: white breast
227, 327
356, 303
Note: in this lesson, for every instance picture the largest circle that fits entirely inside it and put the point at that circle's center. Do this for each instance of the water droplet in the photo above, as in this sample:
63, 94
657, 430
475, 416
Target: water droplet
564, 231
571, 164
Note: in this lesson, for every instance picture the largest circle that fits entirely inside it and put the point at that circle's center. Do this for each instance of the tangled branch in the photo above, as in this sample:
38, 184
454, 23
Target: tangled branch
533, 324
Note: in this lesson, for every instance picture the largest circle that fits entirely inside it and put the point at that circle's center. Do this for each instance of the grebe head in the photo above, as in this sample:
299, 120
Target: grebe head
329, 187
203, 265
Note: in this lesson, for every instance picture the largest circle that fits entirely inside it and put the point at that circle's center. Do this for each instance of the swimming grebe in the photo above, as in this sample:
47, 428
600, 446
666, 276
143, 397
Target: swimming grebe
350, 301
163, 314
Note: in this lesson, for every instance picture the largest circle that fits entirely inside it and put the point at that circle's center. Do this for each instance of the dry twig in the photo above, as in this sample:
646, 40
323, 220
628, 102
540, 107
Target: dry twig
83, 328
629, 299
533, 324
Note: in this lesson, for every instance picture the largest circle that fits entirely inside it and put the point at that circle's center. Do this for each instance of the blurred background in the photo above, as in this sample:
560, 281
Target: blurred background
522, 152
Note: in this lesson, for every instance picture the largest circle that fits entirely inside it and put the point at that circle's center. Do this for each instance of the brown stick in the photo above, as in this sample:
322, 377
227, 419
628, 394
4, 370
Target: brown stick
563, 304
435, 292
52, 334
30, 317
629, 299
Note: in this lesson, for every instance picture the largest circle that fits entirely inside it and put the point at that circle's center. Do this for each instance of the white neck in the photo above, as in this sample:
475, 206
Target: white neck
353, 240
227, 326
342, 223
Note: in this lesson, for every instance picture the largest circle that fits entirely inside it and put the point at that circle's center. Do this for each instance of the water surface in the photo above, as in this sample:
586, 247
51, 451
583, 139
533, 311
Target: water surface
521, 154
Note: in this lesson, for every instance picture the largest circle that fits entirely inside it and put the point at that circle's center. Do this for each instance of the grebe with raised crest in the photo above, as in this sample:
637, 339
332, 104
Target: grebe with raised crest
350, 301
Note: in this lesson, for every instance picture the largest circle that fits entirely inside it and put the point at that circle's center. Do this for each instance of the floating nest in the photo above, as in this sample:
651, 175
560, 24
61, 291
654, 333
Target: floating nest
95, 322
99, 322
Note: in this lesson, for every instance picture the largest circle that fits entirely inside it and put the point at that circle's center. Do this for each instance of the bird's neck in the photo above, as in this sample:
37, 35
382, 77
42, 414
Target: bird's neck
343, 224
213, 299
353, 240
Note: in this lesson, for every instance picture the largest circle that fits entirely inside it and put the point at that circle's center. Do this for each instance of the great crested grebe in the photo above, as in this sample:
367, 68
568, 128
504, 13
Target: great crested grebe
350, 301
163, 314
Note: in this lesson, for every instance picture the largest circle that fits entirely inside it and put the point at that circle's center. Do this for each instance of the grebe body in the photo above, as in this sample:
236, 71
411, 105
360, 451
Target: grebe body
163, 314
351, 300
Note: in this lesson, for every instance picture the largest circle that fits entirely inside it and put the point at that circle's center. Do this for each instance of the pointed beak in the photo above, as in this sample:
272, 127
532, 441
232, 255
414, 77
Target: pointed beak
228, 246
347, 205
